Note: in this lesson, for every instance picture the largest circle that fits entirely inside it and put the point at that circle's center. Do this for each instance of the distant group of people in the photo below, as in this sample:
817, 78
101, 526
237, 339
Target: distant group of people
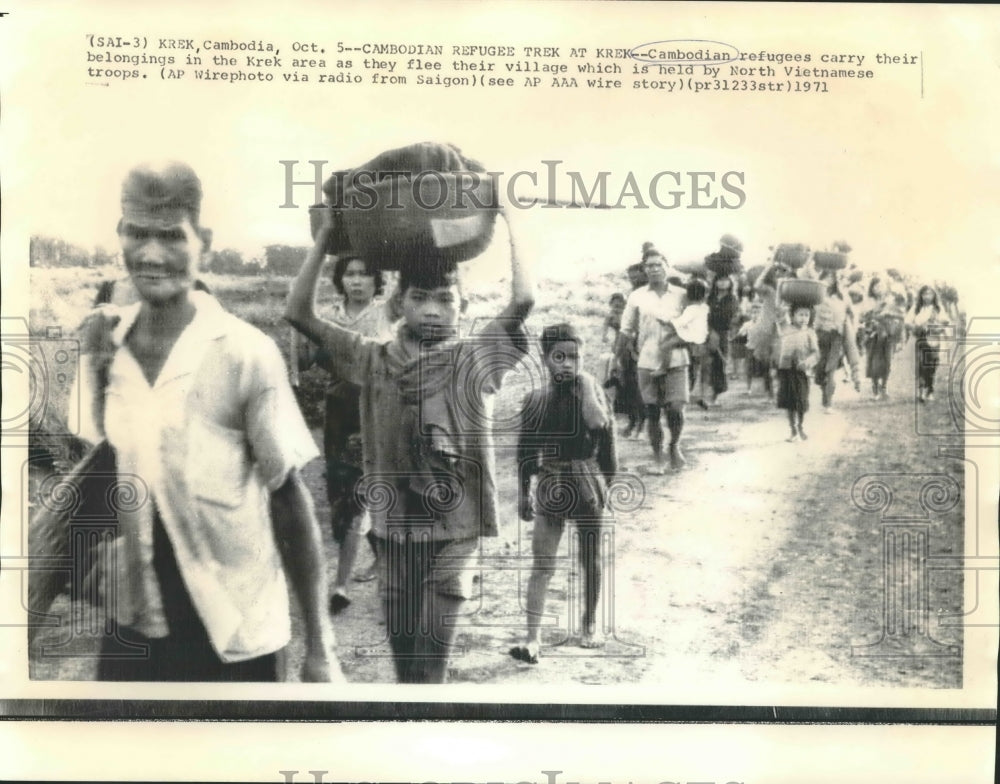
742, 327
198, 404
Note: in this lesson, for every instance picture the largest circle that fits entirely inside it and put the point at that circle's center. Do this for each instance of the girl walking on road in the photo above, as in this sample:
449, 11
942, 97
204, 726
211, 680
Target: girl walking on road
358, 284
835, 331
883, 330
927, 321
798, 351
723, 311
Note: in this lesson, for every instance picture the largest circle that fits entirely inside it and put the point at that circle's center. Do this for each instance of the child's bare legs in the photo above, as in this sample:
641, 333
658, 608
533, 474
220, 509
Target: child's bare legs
655, 432
591, 544
675, 421
795, 419
544, 545
793, 424
372, 572
347, 554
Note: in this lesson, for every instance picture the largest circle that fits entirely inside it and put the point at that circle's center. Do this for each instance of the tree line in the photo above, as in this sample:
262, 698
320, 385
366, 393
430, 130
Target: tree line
277, 259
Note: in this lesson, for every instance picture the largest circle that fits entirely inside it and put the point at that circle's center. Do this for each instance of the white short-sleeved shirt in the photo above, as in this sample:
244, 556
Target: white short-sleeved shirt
210, 439
644, 310
692, 324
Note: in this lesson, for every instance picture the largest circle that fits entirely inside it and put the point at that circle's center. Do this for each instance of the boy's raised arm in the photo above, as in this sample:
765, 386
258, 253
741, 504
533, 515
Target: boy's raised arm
522, 289
300, 307
340, 351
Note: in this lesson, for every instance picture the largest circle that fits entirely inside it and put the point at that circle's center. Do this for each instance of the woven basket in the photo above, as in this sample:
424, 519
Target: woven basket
830, 261
801, 292
792, 255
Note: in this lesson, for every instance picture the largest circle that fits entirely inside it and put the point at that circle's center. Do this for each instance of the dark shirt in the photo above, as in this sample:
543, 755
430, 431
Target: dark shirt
722, 312
553, 430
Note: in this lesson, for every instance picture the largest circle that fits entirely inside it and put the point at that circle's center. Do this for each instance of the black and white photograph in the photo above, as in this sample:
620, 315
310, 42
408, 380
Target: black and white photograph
512, 373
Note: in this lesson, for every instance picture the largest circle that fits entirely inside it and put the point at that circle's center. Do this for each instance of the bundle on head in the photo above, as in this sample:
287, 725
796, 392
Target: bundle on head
730, 242
792, 255
723, 264
827, 260
801, 291
421, 204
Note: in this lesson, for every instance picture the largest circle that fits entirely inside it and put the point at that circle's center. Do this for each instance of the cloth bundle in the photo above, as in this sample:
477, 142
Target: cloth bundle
419, 204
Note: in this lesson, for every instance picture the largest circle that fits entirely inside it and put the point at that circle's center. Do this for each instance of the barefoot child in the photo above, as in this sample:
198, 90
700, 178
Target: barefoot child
567, 441
798, 351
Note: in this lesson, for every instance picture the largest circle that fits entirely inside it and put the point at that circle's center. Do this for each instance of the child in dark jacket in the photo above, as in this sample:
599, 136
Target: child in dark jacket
798, 352
567, 443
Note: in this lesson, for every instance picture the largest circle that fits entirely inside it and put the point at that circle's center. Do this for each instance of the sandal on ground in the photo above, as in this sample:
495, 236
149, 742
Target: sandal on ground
338, 603
524, 654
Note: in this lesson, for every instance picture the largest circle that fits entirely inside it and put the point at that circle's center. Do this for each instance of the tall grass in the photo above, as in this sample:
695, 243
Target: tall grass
61, 297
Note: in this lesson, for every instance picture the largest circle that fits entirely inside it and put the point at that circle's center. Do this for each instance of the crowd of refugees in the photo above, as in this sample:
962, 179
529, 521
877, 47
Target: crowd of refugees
740, 326
198, 404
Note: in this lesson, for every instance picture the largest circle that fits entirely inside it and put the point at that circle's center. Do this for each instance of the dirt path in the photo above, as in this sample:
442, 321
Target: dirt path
752, 565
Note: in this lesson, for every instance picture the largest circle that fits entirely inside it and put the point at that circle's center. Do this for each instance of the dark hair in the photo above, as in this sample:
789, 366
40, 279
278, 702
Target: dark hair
832, 281
714, 290
617, 297
696, 290
556, 333
802, 306
428, 274
936, 304
648, 254
340, 269
638, 274
771, 276
871, 286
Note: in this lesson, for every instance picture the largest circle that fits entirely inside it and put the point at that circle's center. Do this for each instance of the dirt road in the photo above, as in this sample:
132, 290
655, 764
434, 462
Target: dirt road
753, 565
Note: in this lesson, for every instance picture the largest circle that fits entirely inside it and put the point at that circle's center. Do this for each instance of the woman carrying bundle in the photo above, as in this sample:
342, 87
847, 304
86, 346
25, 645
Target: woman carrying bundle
762, 335
882, 329
359, 310
723, 311
927, 321
835, 331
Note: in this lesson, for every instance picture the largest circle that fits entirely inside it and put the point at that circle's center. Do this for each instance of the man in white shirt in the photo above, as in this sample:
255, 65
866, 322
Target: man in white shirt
197, 405
663, 378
